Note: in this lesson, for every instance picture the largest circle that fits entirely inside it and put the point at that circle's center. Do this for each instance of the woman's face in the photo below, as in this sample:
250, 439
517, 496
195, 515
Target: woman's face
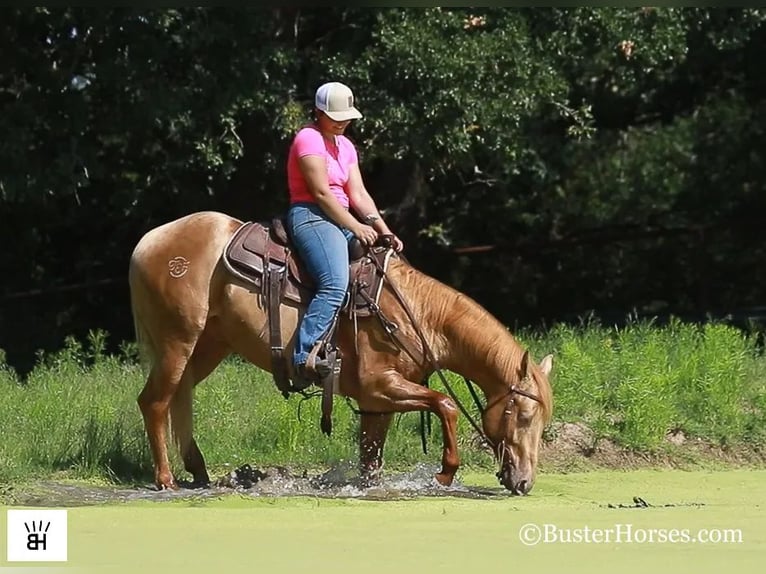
329, 125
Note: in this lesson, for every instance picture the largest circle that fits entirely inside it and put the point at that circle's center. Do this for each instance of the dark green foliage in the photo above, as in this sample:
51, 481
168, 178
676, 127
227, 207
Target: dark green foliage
612, 156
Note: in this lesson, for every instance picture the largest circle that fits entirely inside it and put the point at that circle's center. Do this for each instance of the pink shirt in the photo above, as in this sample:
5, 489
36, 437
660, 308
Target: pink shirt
339, 158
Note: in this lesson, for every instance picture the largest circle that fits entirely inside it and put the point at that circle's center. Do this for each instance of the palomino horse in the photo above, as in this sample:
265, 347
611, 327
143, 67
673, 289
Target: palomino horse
191, 312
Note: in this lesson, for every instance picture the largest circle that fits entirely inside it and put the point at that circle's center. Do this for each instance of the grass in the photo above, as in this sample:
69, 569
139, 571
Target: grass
76, 412
635, 384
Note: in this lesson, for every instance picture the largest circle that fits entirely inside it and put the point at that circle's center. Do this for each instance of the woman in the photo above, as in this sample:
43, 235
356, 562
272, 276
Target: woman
325, 184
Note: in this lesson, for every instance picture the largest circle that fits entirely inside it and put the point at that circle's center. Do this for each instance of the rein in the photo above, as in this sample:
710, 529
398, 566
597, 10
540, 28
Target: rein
390, 328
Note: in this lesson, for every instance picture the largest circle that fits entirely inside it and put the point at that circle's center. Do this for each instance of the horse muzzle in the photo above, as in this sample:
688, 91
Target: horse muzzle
512, 481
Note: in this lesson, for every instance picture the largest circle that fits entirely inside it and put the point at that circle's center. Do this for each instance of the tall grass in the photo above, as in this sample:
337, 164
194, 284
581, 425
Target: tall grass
76, 412
635, 384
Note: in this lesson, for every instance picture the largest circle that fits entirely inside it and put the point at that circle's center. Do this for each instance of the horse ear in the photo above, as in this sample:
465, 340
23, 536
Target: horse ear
525, 364
546, 364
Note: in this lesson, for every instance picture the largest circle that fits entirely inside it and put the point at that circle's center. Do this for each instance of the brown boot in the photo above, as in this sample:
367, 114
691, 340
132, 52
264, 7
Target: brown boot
303, 378
322, 369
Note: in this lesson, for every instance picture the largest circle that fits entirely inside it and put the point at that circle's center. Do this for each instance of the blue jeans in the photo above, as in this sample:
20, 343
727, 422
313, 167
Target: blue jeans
323, 248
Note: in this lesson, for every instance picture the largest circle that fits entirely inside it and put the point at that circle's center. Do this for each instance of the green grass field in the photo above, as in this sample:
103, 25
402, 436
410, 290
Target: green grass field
439, 534
76, 412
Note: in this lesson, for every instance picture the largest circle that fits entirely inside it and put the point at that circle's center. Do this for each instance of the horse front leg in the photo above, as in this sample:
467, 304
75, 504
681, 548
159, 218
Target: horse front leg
394, 393
446, 409
373, 429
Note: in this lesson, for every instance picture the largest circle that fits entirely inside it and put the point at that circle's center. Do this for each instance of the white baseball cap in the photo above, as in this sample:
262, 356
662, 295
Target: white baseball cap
336, 100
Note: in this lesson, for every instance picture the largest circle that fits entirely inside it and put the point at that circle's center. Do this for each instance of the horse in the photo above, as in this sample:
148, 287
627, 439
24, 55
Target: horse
190, 313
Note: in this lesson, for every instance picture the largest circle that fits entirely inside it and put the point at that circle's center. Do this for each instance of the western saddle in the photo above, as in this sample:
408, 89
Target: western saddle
261, 254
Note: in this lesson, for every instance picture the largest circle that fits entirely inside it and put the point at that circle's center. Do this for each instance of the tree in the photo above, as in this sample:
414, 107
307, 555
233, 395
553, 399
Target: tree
611, 156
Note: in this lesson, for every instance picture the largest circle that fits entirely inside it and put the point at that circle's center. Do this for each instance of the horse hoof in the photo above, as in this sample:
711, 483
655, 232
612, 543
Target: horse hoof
201, 482
368, 480
166, 484
443, 478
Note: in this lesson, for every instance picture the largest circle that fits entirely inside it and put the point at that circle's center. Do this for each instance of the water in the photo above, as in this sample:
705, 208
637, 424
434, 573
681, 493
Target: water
339, 481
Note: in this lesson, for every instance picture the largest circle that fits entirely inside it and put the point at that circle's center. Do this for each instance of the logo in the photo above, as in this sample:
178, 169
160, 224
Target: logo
178, 267
37, 536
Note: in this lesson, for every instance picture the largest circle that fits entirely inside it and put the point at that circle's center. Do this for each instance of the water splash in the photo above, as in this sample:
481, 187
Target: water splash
340, 481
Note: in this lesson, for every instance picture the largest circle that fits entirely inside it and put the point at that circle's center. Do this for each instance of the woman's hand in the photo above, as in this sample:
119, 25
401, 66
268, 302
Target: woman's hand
365, 234
390, 241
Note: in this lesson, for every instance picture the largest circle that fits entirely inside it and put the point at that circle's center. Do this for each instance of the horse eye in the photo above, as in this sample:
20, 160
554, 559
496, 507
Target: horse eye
525, 416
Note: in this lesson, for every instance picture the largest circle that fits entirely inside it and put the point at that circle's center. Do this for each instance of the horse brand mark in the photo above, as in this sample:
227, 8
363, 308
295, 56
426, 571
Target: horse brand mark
178, 266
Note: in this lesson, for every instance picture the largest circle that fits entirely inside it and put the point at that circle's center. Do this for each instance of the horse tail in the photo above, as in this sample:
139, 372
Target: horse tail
143, 341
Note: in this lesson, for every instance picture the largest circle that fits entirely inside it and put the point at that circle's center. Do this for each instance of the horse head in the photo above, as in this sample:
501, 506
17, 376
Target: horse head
514, 421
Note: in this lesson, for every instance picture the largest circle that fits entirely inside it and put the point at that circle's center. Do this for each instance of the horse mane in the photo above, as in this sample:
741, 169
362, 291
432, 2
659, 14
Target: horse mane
459, 318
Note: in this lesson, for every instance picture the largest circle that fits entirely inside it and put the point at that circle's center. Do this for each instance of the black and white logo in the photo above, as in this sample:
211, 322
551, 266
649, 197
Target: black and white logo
37, 535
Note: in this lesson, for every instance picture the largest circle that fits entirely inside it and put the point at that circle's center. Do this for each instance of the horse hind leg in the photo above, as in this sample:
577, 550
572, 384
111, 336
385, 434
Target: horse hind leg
181, 427
373, 429
154, 401
207, 355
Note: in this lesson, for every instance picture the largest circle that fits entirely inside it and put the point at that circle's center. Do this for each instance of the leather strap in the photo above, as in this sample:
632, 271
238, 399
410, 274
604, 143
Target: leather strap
329, 342
275, 282
311, 360
327, 392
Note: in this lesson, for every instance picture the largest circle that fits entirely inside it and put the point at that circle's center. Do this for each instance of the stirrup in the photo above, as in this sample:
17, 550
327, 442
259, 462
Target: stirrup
302, 379
320, 367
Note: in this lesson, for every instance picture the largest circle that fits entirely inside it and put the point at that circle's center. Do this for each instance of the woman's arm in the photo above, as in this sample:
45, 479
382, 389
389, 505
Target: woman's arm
314, 172
363, 204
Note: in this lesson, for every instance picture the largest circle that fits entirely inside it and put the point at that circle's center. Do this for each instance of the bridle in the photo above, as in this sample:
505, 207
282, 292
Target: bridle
500, 449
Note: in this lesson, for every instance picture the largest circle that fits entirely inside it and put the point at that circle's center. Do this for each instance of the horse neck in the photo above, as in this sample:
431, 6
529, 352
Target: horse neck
463, 336
487, 356
473, 343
